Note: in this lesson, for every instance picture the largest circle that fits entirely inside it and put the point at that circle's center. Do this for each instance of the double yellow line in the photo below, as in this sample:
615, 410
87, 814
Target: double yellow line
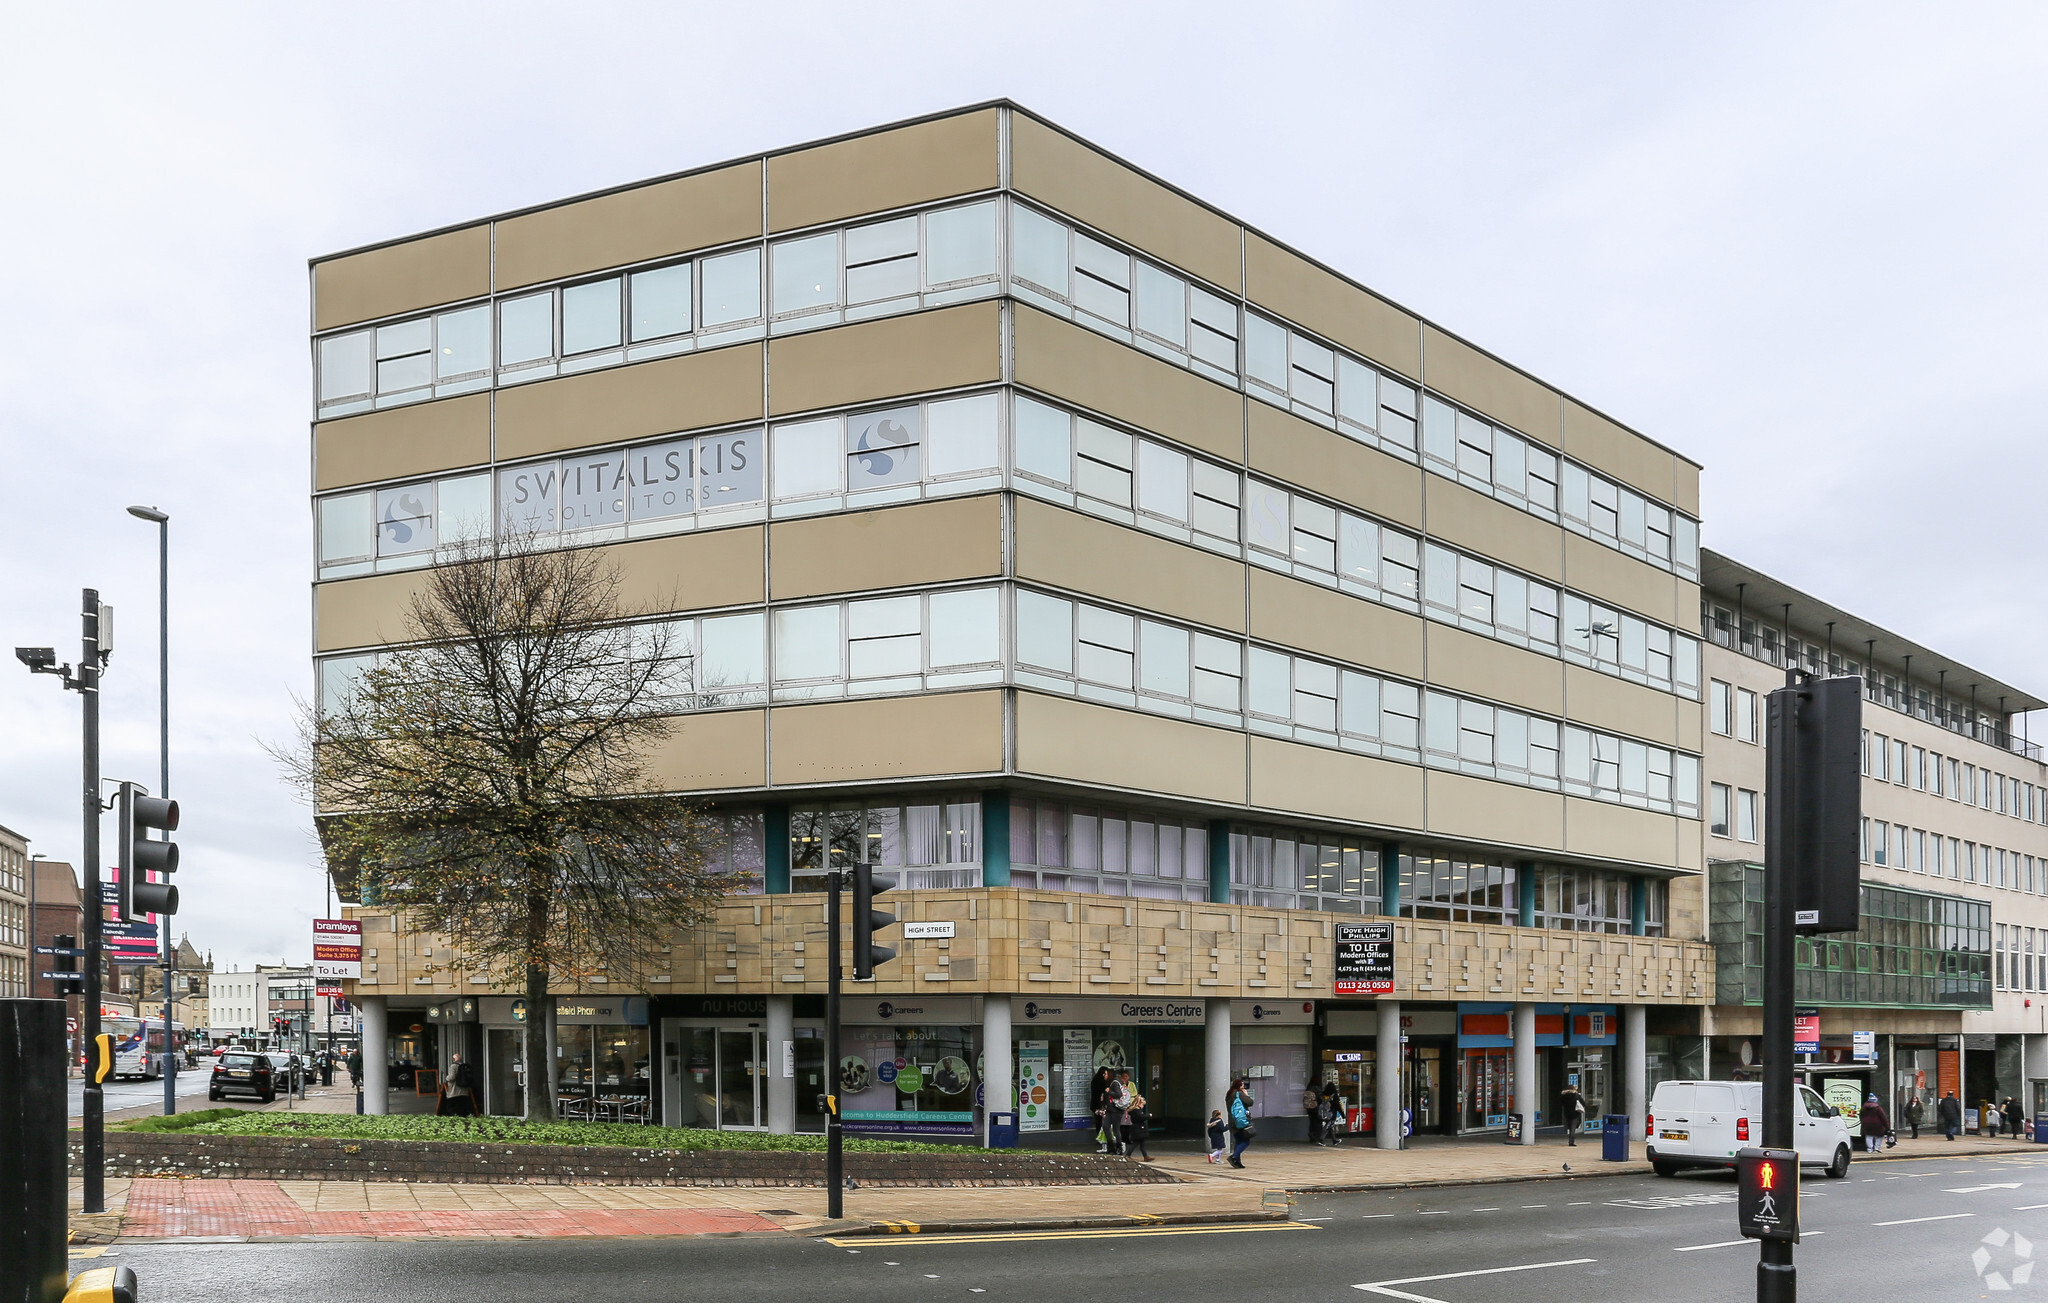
910, 1232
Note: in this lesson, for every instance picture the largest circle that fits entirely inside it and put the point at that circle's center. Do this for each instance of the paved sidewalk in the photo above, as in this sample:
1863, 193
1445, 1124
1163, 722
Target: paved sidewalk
154, 1208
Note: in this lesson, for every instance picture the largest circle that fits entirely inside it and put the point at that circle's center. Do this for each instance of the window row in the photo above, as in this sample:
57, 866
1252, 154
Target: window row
2021, 964
1894, 760
1733, 712
1061, 846
898, 265
936, 841
1067, 271
1915, 850
1934, 705
1084, 650
1734, 812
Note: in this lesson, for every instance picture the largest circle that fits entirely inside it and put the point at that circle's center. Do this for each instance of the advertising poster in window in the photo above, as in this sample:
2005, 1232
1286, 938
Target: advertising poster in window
1077, 1058
1806, 1031
1034, 1095
908, 1081
1365, 959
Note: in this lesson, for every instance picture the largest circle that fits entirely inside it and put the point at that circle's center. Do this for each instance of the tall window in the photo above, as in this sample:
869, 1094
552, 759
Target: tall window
1720, 797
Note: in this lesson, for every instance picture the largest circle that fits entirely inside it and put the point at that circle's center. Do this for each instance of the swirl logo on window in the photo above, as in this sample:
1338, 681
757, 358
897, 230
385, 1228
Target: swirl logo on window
882, 449
401, 516
881, 435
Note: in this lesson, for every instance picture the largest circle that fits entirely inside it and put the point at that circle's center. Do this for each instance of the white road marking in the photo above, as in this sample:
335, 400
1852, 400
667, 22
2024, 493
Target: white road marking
1718, 1244
1979, 1189
1486, 1210
1435, 1212
1382, 1287
1908, 1221
1535, 1205
1315, 1219
1374, 1216
1582, 1203
2027, 1208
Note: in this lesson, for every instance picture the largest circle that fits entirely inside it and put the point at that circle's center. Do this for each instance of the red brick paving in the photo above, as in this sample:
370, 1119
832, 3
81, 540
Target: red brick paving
161, 1209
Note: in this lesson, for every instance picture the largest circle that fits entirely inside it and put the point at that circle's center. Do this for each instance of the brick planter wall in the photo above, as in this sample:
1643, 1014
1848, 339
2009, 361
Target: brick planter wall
307, 1158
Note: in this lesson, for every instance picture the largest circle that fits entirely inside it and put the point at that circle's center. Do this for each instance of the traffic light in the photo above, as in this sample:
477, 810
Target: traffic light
139, 815
1827, 837
1767, 1194
66, 963
866, 918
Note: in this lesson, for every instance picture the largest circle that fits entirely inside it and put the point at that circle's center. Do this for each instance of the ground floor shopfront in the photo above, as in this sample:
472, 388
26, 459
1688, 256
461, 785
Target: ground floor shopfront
922, 1067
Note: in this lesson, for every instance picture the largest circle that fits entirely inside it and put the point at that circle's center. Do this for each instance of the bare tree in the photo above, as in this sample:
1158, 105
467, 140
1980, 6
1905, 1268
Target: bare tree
489, 777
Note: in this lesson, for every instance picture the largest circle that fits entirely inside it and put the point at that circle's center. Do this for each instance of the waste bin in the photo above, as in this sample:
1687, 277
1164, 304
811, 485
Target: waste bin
2041, 1128
1002, 1131
1614, 1138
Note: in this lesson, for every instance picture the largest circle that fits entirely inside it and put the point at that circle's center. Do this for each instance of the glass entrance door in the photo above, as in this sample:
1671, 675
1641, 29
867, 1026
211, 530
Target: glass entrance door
505, 1071
810, 1083
740, 1073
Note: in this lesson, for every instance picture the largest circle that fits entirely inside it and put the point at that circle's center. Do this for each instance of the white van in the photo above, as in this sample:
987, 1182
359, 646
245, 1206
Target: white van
1703, 1123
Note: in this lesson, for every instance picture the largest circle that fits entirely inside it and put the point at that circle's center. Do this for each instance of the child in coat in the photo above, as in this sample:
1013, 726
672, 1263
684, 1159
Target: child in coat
1219, 1134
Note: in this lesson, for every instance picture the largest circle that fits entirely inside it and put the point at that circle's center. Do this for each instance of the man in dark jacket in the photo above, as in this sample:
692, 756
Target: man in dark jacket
1914, 1112
1874, 1123
2015, 1117
1949, 1112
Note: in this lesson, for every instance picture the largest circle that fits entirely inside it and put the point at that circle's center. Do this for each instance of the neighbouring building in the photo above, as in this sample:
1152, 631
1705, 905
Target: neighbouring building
1156, 602
16, 945
1943, 976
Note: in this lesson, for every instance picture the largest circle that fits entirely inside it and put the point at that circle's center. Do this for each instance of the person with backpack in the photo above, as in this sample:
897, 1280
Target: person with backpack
1949, 1112
1312, 1105
1874, 1123
1571, 1107
1136, 1120
2015, 1117
1241, 1129
1116, 1104
1333, 1114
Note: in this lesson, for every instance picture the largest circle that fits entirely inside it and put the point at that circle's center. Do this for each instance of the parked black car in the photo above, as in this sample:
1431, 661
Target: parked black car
246, 1072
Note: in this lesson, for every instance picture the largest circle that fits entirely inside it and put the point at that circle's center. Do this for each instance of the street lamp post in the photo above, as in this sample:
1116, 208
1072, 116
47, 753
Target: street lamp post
162, 522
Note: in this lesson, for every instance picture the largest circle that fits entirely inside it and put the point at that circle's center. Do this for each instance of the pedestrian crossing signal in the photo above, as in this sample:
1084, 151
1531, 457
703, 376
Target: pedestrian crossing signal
1767, 1203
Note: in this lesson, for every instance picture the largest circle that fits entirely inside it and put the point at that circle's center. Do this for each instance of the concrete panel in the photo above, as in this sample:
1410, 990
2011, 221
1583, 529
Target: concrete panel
882, 359
649, 221
1619, 453
884, 170
1308, 456
1310, 780
1315, 619
417, 440
895, 737
1466, 662
1615, 832
630, 402
1490, 387
690, 572
1061, 358
1054, 167
1461, 807
1490, 528
1692, 847
1685, 486
890, 547
365, 612
1605, 702
423, 273
1329, 305
1071, 550
1061, 738
1601, 572
720, 749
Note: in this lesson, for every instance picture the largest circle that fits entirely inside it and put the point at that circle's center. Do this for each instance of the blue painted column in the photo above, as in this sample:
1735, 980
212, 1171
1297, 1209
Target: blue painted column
1219, 864
995, 841
1390, 879
1525, 893
775, 847
1639, 905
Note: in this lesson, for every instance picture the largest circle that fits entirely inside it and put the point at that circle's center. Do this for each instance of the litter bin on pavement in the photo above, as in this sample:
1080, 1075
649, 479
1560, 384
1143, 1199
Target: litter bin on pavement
1614, 1138
2041, 1128
1002, 1131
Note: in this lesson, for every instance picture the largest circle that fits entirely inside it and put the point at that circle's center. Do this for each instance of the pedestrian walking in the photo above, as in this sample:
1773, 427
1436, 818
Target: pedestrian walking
458, 1093
1219, 1134
1874, 1123
1914, 1112
1116, 1109
1241, 1130
1136, 1120
355, 1068
1312, 1106
1948, 1111
1571, 1107
2015, 1117
1333, 1114
1098, 1100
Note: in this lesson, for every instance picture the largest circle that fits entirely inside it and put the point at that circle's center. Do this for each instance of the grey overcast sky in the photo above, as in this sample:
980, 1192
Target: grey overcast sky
1802, 244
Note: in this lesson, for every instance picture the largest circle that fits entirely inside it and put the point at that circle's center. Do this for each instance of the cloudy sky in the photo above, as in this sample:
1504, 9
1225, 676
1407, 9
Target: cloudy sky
1802, 244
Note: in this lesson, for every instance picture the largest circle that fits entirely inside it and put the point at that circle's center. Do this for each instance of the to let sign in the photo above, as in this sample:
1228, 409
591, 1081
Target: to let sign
337, 948
1365, 959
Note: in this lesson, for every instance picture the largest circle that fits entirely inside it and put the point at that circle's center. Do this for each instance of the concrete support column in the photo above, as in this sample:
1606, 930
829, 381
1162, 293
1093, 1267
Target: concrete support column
1216, 1059
1635, 1065
1219, 871
998, 1060
1386, 1101
781, 1086
1526, 1102
995, 839
376, 1066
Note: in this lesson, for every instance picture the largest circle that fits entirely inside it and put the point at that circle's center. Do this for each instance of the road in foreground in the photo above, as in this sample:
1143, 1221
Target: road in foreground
118, 1095
1891, 1231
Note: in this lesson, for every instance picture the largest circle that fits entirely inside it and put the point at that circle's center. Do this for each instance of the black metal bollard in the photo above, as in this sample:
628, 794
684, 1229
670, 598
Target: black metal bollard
34, 1223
